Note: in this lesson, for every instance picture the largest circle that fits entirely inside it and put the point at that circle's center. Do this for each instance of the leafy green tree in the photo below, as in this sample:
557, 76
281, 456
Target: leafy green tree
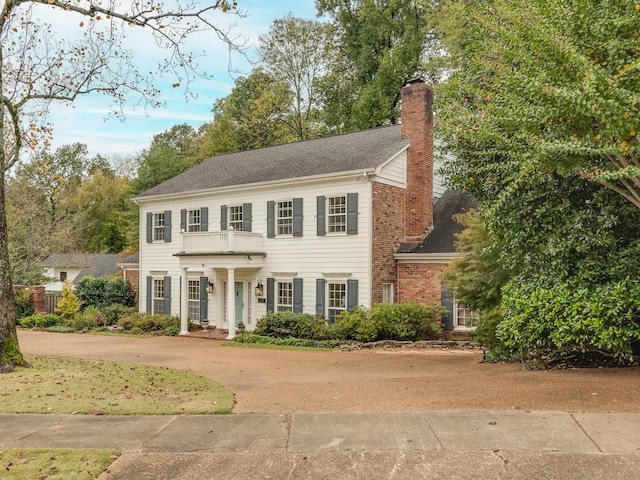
253, 115
39, 67
102, 292
383, 41
171, 153
547, 86
298, 52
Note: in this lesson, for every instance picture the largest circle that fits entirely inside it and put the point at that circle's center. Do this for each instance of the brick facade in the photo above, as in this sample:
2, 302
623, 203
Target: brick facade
417, 124
388, 232
420, 282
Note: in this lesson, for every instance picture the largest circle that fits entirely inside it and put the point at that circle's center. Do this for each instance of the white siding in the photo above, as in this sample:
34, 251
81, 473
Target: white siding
308, 257
394, 172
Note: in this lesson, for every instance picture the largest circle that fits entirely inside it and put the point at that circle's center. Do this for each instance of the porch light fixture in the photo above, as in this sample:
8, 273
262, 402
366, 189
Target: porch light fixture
259, 289
209, 287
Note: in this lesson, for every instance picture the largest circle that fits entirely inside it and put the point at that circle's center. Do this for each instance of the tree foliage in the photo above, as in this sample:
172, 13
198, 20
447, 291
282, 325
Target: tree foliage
39, 66
540, 121
298, 52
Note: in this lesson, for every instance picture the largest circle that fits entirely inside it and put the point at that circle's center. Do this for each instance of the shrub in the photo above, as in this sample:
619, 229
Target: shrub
102, 292
88, 319
485, 332
69, 304
563, 319
145, 323
41, 321
23, 305
289, 324
385, 321
115, 312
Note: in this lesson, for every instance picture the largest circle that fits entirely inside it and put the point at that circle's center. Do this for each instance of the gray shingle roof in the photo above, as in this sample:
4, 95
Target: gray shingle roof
362, 150
442, 238
90, 264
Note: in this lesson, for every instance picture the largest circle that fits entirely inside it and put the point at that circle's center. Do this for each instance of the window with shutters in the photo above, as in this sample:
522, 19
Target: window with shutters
284, 297
194, 221
158, 226
336, 300
337, 214
235, 217
284, 220
158, 296
194, 300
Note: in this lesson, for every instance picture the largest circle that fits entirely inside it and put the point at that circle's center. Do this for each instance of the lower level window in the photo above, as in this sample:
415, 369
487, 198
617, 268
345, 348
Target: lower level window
285, 297
465, 317
158, 296
387, 293
337, 300
194, 300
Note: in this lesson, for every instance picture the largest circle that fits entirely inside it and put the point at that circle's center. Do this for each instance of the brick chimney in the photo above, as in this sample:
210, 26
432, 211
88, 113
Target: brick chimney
417, 125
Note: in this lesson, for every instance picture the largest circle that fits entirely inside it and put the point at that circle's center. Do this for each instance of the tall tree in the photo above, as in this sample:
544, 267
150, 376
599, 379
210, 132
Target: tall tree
253, 115
298, 52
37, 68
384, 41
171, 153
548, 85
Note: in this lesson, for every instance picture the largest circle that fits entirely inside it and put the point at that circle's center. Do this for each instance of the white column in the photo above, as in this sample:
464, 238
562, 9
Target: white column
231, 303
184, 303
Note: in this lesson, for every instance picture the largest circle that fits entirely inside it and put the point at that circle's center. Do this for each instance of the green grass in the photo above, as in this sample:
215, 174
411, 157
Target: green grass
22, 464
82, 386
66, 385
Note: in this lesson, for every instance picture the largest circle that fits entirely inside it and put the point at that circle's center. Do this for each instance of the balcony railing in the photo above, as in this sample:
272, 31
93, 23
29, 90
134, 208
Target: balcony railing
230, 241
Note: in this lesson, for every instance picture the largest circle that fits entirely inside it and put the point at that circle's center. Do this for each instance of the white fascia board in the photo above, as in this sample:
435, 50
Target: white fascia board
260, 185
425, 257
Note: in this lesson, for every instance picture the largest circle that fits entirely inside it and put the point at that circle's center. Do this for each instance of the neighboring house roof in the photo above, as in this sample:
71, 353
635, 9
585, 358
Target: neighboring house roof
364, 150
132, 259
89, 264
442, 239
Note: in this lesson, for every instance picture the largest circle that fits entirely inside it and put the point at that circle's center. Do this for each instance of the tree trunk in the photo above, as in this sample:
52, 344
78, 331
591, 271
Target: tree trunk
10, 355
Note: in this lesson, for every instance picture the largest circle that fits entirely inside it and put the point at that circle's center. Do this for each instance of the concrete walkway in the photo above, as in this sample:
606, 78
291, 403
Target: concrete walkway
413, 445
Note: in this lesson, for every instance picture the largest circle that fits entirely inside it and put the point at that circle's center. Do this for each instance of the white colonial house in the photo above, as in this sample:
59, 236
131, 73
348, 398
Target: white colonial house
316, 226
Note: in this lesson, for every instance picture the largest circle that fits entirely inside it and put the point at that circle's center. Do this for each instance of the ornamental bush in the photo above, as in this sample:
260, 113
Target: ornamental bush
390, 321
563, 319
23, 305
41, 321
289, 324
102, 292
145, 323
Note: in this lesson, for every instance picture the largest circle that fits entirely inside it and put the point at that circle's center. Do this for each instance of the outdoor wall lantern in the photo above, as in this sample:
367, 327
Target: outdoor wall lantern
259, 289
209, 287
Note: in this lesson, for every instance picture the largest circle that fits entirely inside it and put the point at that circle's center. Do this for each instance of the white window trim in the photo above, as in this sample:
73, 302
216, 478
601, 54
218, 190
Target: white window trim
232, 224
193, 226
457, 327
342, 281
391, 292
277, 305
278, 218
329, 215
158, 230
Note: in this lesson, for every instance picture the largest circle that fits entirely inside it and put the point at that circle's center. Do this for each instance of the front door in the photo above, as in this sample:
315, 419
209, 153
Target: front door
239, 302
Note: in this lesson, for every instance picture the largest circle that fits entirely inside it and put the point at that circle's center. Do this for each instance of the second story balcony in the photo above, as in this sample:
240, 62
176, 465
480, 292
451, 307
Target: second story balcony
224, 243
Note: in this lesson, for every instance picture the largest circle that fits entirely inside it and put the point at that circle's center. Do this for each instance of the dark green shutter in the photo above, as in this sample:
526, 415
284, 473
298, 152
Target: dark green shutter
320, 213
270, 294
297, 217
167, 226
352, 213
149, 294
320, 284
223, 218
149, 227
204, 219
204, 298
246, 217
352, 294
297, 295
183, 220
271, 219
167, 295
447, 302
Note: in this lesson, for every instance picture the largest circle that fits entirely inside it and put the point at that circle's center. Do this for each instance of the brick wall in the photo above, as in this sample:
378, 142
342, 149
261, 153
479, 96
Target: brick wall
388, 232
36, 297
417, 124
420, 282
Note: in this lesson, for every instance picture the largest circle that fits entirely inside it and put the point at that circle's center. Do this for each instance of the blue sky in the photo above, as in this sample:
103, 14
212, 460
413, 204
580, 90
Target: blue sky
84, 121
